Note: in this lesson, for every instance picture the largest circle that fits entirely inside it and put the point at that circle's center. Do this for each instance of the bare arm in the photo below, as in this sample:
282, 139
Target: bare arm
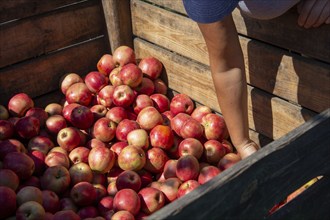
228, 73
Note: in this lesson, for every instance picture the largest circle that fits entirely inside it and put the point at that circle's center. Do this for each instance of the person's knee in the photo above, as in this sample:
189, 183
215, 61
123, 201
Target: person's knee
264, 10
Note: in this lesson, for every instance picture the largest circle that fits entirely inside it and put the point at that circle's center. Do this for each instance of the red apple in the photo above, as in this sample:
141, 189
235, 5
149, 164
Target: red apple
56, 179
161, 102
6, 130
149, 117
79, 93
152, 199
114, 77
228, 146
186, 187
98, 111
146, 177
170, 168
83, 194
146, 87
50, 201
66, 214
68, 138
101, 191
160, 86
128, 179
40, 143
167, 117
200, 111
116, 114
4, 114
81, 117
124, 55
56, 158
105, 96
88, 212
80, 172
181, 103
101, 159
173, 152
128, 200
138, 138
59, 149
123, 96
95, 81
191, 128
112, 188
66, 203
38, 158
151, 67
9, 179
141, 102
7, 202
106, 64
19, 104
122, 215
105, 204
55, 123
68, 80
214, 127
79, 154
20, 163
124, 128
118, 147
191, 146
132, 158
39, 113
228, 161
187, 168
30, 210
161, 136
178, 121
104, 129
11, 145
170, 188
27, 127
214, 151
131, 75
207, 173
54, 109
28, 193
156, 159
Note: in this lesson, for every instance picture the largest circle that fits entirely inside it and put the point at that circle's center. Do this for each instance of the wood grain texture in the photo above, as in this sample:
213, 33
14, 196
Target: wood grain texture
282, 31
289, 76
118, 23
42, 75
268, 115
18, 9
29, 38
250, 188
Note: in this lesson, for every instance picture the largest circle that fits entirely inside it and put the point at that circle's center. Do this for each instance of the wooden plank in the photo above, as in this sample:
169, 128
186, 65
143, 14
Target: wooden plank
41, 75
292, 77
246, 190
313, 203
118, 22
18, 9
268, 115
28, 38
282, 31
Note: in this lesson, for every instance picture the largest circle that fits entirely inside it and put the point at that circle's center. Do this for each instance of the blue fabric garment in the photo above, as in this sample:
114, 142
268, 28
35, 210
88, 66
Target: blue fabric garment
208, 11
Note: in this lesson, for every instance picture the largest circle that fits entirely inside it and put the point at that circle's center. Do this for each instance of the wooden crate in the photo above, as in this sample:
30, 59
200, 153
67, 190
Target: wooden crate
288, 76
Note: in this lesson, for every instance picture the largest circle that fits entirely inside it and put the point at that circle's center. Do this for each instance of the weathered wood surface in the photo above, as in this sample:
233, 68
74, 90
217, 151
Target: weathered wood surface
268, 115
41, 75
28, 38
282, 31
18, 9
313, 203
118, 21
292, 77
250, 188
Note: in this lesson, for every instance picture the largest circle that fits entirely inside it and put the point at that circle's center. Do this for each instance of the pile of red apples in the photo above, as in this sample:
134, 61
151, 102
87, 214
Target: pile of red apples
117, 147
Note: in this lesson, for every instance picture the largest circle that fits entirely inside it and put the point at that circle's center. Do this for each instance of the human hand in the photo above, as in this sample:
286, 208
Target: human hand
313, 13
